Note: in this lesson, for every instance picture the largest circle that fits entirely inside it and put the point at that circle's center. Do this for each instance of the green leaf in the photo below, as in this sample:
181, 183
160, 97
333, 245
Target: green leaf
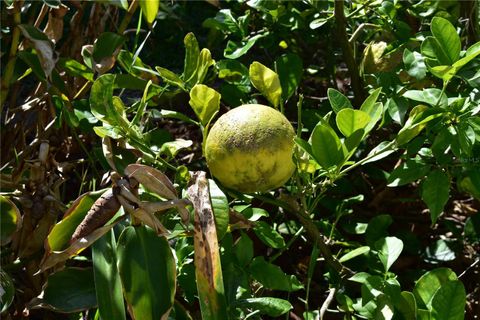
205, 102
414, 64
408, 172
107, 281
220, 207
326, 146
267, 82
377, 228
103, 105
106, 45
416, 122
59, 237
354, 253
375, 112
431, 96
389, 250
407, 306
70, 290
273, 307
149, 9
171, 78
448, 39
75, 68
449, 301
430, 282
147, 270
268, 235
10, 221
397, 109
243, 250
440, 251
472, 229
290, 71
192, 55
272, 277
8, 291
350, 121
435, 192
205, 62
369, 106
233, 71
235, 50
337, 100
224, 21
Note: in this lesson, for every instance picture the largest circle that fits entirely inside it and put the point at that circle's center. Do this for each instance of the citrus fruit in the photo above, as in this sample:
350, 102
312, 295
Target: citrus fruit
250, 148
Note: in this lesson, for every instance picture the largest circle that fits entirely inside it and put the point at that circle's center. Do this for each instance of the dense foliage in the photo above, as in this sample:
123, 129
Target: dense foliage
108, 209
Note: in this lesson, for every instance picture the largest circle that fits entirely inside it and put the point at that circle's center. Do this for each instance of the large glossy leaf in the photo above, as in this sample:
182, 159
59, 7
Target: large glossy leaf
70, 290
430, 282
446, 35
416, 122
290, 71
326, 146
10, 221
407, 305
267, 82
435, 192
208, 270
414, 64
205, 102
389, 250
149, 9
350, 121
147, 269
101, 100
268, 235
274, 307
171, 77
338, 101
431, 96
108, 287
449, 301
354, 253
272, 276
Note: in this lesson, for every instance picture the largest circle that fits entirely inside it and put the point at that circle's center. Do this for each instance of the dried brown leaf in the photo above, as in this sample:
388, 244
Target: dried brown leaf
152, 179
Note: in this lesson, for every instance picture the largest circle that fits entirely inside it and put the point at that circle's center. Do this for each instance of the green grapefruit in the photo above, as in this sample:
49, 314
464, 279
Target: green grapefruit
249, 149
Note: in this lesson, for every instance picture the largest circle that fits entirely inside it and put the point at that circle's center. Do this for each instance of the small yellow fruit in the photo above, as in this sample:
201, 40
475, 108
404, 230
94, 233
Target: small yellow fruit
250, 149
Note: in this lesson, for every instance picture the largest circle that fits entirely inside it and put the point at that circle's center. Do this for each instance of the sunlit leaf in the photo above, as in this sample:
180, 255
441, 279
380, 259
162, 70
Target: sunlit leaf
149, 9
205, 102
267, 82
338, 100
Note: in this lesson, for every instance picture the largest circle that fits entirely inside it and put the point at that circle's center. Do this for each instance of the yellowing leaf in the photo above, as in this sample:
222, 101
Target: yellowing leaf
267, 82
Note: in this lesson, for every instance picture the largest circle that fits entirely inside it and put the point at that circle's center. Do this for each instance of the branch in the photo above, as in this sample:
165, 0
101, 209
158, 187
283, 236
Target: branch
356, 80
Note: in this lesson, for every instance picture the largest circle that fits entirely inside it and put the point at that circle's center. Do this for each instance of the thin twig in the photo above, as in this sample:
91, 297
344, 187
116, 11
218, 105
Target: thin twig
356, 80
326, 303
